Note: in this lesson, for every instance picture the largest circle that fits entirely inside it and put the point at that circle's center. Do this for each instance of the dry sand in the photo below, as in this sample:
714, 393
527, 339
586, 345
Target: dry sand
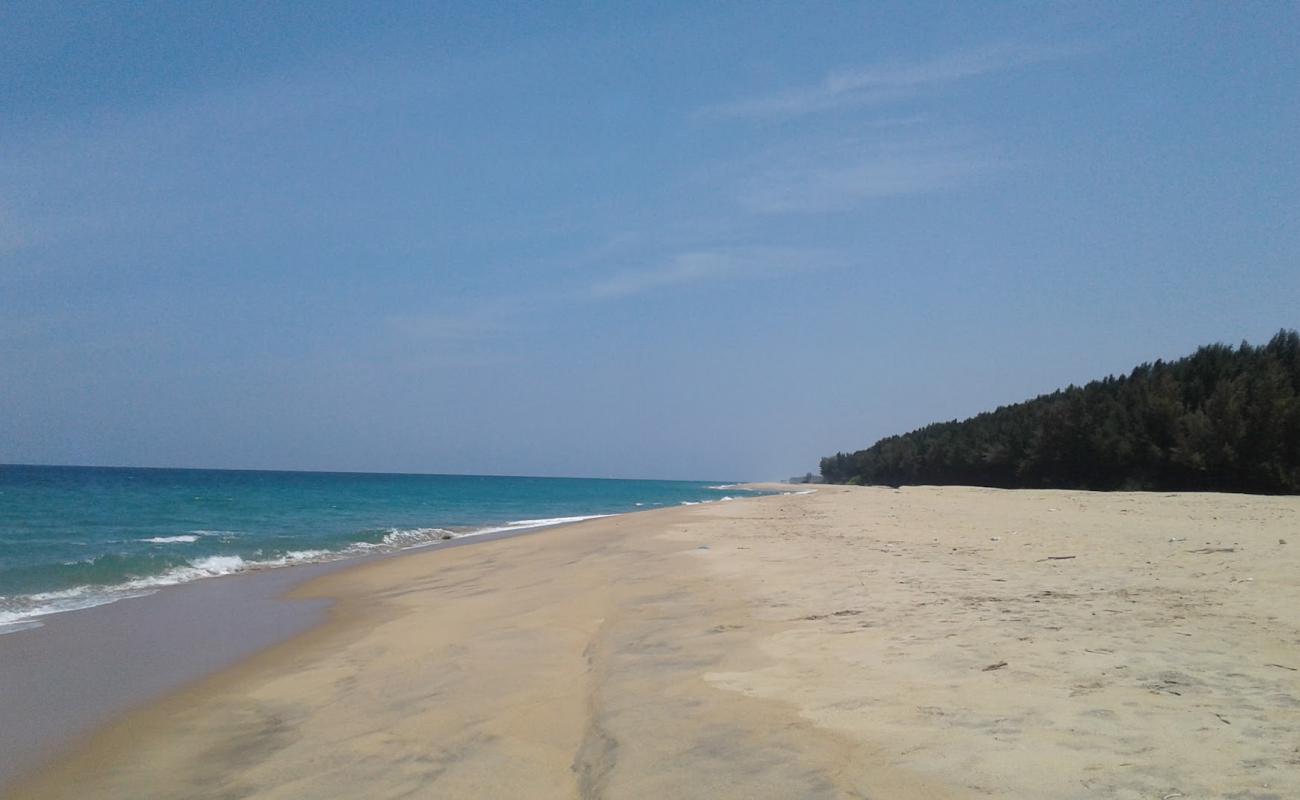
922, 643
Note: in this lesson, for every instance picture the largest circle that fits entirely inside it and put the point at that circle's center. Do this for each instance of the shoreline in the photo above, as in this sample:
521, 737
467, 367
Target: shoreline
914, 643
350, 554
84, 669
181, 530
342, 613
153, 645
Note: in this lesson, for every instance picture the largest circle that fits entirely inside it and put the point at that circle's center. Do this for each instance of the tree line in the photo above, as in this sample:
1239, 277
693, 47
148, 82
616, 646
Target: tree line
1221, 419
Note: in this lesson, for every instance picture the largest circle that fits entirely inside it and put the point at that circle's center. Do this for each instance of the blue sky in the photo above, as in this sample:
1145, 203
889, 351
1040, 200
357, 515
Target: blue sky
587, 240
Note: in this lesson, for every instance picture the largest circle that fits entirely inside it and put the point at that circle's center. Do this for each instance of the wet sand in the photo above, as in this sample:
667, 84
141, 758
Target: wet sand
78, 670
923, 643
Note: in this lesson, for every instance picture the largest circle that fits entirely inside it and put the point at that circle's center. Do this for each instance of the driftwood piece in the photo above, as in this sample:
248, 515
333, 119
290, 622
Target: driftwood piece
992, 667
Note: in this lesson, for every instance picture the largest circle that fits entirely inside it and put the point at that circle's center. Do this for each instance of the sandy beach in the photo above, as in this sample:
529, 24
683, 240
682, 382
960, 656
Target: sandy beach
853, 642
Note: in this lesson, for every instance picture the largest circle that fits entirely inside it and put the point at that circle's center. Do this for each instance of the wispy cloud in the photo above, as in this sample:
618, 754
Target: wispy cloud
481, 322
698, 266
839, 177
884, 83
680, 269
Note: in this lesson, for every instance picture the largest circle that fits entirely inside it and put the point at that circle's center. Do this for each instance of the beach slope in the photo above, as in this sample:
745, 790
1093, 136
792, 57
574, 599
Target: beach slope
852, 642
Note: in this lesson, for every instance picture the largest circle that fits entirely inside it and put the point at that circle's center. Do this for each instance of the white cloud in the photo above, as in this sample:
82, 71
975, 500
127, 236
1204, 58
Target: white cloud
841, 177
884, 83
482, 322
709, 265
683, 268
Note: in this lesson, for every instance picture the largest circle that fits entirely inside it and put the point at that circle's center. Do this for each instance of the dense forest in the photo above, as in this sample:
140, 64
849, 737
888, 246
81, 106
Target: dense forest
1222, 419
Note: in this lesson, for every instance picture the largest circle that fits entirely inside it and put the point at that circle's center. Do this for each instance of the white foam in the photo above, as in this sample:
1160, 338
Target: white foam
525, 524
209, 567
43, 604
414, 537
60, 594
22, 625
22, 612
306, 555
539, 523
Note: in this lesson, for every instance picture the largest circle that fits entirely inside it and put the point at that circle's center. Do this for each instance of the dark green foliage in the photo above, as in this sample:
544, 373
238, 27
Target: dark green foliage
1222, 419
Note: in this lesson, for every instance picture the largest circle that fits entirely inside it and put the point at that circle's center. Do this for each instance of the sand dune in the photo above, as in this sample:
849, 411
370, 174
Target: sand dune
923, 643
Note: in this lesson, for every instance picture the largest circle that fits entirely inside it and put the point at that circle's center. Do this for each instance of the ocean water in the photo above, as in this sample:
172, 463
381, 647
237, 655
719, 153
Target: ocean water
75, 537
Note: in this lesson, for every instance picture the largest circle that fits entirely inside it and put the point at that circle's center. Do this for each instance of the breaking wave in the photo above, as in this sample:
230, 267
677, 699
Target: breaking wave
19, 612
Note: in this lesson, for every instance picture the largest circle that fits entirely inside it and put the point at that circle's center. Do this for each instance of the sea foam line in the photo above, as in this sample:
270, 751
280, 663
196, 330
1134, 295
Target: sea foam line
25, 610
525, 524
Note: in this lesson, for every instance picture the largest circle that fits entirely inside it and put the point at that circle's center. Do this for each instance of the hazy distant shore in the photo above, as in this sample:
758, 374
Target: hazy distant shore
928, 642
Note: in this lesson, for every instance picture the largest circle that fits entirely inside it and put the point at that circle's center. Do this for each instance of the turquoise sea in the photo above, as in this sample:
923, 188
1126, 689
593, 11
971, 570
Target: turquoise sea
75, 537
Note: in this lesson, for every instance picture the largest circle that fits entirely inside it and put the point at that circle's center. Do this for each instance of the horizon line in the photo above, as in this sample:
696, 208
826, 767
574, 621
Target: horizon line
4, 464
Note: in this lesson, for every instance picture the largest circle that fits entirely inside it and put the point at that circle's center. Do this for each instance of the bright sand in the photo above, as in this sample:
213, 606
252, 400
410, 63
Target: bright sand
849, 643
